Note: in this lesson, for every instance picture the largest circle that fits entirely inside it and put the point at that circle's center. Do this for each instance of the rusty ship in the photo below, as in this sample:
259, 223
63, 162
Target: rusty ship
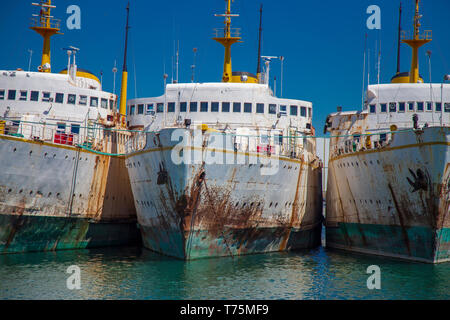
224, 168
60, 188
388, 190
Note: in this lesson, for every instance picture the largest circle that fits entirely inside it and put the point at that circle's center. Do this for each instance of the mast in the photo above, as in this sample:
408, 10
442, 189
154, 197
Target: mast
123, 89
399, 35
415, 43
258, 68
230, 36
47, 26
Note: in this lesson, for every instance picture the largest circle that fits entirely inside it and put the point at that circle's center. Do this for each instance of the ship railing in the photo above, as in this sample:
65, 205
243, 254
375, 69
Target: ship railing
136, 142
222, 33
45, 22
51, 133
408, 35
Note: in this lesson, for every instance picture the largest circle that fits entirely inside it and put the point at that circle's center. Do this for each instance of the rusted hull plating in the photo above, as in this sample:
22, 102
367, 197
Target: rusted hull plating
199, 210
54, 197
393, 201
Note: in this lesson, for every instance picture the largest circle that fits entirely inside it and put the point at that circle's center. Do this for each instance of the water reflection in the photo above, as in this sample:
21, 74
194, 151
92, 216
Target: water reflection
136, 273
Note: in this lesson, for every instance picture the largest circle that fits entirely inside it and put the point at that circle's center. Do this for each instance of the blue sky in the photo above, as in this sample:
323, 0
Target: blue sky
322, 42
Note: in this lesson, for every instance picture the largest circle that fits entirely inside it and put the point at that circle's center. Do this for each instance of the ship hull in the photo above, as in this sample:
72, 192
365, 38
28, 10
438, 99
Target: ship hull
393, 201
203, 209
60, 197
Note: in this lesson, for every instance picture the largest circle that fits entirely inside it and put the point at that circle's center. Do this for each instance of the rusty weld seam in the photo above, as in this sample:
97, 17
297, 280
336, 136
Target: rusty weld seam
400, 217
224, 238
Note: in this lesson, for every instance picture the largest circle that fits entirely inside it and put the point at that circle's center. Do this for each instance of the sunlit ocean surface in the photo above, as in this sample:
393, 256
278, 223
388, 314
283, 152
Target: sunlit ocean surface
137, 273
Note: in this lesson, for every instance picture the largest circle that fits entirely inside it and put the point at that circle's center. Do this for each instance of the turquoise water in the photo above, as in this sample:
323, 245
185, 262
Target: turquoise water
136, 273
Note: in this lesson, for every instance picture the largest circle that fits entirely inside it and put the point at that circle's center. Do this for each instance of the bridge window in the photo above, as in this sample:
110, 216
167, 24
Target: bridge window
393, 107
132, 107
104, 103
438, 107
193, 107
2, 94
273, 109
61, 127
150, 108
46, 96
383, 107
71, 98
140, 109
203, 106
401, 107
260, 108
59, 97
171, 107
82, 101
75, 128
214, 107
11, 94
160, 107
410, 106
373, 108
247, 107
303, 111
429, 106
111, 104
294, 110
94, 102
23, 95
447, 107
420, 106
236, 107
225, 107
183, 106
309, 112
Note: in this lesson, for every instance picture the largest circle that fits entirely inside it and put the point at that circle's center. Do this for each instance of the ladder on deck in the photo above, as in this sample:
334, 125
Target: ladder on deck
91, 133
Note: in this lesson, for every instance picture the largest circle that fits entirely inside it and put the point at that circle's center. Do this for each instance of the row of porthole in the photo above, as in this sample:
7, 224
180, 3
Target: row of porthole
287, 204
54, 155
367, 201
129, 165
38, 193
289, 167
59, 194
343, 165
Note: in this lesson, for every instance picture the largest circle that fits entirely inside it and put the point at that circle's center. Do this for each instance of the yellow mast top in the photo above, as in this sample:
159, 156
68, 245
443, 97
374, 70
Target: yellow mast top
230, 36
415, 43
47, 26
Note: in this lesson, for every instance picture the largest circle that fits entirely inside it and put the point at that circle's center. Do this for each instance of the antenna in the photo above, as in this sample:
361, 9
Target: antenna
193, 66
281, 59
379, 60
114, 70
29, 61
258, 68
101, 78
178, 57
267, 60
398, 41
364, 73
